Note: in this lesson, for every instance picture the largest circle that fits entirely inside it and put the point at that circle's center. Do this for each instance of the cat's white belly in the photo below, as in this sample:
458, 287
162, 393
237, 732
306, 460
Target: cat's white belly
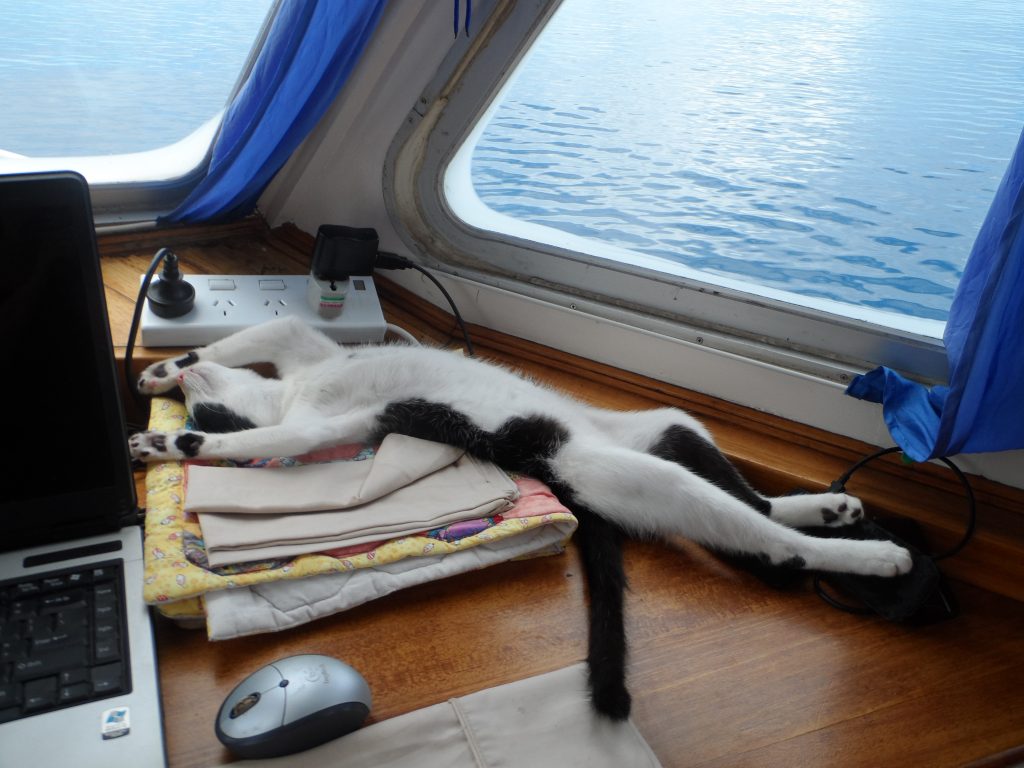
437, 377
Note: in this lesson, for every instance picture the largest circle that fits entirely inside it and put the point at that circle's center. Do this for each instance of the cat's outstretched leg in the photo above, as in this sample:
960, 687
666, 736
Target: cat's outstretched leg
286, 343
677, 437
647, 495
279, 440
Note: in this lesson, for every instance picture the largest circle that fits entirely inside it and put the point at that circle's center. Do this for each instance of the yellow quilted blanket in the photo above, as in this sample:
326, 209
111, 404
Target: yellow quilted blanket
177, 575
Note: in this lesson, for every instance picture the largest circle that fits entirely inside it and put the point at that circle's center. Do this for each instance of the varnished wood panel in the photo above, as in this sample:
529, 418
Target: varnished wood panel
725, 670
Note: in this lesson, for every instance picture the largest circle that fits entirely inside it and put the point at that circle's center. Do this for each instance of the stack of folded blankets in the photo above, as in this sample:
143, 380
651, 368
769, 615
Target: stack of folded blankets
263, 545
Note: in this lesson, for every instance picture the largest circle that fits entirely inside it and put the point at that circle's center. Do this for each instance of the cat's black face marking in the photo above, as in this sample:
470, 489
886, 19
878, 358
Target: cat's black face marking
828, 516
189, 444
160, 371
215, 417
159, 444
686, 448
187, 360
521, 444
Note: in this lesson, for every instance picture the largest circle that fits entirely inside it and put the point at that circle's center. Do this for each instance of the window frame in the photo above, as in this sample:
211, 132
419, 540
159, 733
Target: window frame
807, 339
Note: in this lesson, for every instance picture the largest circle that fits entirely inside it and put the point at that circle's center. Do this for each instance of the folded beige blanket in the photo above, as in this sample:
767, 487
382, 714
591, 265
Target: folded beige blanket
541, 722
411, 485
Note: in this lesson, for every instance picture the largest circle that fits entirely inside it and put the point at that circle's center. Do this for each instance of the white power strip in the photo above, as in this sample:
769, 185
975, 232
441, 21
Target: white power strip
226, 304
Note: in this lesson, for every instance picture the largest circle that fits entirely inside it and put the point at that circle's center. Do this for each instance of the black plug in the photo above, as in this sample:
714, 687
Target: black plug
171, 295
387, 260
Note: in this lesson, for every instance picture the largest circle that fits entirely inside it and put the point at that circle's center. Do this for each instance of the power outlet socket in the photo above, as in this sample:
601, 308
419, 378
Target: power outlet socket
225, 304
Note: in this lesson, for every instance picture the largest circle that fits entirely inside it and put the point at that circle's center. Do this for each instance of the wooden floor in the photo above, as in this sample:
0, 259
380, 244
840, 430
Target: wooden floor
725, 671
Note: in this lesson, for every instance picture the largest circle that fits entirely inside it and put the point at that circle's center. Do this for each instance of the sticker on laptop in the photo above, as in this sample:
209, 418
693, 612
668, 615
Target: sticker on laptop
115, 723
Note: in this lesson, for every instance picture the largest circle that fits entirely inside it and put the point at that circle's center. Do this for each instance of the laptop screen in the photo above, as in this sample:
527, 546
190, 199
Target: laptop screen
66, 468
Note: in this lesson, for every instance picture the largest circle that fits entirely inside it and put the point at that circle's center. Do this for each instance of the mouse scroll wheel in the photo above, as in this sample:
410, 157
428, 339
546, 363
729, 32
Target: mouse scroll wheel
244, 705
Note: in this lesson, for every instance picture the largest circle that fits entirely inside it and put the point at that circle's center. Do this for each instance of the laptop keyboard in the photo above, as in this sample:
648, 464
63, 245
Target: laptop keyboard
64, 640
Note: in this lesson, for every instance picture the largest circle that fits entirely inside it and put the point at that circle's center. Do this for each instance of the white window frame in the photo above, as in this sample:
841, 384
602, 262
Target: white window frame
810, 337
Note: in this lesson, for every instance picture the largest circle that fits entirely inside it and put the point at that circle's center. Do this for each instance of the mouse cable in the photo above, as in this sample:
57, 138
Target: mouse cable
394, 261
839, 486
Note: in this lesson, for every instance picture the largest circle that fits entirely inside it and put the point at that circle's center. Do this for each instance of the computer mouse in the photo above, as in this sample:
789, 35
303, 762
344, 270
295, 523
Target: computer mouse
292, 704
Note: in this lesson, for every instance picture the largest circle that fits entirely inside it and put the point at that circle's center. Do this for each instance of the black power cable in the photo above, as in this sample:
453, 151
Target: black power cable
170, 296
133, 330
394, 261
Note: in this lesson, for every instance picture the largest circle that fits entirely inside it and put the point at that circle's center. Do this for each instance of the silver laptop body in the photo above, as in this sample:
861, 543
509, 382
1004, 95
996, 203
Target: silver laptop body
78, 677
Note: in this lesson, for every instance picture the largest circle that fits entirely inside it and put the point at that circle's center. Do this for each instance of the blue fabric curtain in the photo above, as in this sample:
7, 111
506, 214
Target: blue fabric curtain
311, 48
982, 409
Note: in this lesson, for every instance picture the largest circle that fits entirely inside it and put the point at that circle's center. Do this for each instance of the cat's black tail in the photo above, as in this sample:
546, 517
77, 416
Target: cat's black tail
527, 444
600, 545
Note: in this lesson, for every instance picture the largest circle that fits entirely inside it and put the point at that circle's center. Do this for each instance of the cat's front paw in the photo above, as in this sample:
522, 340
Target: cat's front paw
838, 509
163, 376
165, 446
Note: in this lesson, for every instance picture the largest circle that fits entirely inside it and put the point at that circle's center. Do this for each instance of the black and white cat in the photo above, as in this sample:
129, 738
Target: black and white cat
642, 474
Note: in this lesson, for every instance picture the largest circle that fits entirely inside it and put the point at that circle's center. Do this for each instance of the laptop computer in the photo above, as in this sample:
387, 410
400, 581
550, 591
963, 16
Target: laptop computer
78, 682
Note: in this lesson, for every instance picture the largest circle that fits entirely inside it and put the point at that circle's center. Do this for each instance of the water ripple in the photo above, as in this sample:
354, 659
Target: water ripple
846, 151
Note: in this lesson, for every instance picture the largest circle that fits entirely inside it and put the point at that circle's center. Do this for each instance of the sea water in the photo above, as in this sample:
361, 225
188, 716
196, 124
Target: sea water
97, 77
846, 149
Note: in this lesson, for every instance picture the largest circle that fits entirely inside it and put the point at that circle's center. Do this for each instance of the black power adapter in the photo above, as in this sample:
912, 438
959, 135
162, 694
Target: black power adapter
340, 252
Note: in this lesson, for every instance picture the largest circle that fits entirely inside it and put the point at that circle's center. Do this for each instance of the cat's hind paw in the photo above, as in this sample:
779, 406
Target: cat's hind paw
887, 559
869, 557
810, 510
163, 376
165, 446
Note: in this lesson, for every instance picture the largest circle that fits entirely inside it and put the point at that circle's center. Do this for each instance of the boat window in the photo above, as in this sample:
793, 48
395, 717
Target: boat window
799, 158
127, 92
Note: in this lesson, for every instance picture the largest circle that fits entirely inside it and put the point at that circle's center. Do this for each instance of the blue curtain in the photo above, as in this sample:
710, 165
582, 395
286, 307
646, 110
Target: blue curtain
982, 409
311, 48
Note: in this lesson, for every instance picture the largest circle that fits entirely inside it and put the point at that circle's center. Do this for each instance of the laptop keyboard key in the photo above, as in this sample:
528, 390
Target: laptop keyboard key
107, 650
10, 695
50, 662
26, 588
13, 650
76, 692
40, 694
107, 679
71, 618
61, 600
46, 640
23, 609
74, 675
